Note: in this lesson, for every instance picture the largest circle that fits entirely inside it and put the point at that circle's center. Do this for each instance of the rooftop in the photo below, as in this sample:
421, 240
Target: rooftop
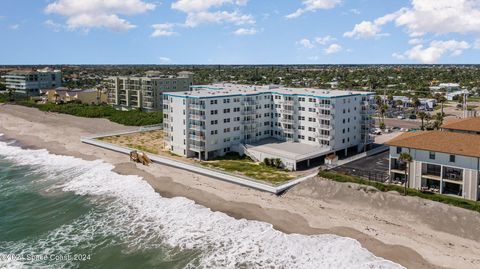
439, 141
228, 89
290, 150
468, 124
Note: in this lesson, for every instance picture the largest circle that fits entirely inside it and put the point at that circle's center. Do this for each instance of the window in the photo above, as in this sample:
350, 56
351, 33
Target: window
213, 112
213, 102
213, 122
452, 158
399, 150
431, 155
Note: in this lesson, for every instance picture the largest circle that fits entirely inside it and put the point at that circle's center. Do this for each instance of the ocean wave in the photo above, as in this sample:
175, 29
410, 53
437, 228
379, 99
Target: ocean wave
135, 212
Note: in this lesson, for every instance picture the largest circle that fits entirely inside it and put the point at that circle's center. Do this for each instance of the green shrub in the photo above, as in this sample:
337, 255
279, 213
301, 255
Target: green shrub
130, 118
459, 202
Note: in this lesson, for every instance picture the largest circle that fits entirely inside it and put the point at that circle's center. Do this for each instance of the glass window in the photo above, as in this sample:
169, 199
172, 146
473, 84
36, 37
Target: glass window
432, 155
452, 158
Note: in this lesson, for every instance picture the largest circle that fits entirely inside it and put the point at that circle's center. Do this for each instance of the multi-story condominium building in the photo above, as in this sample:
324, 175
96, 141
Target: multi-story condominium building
131, 92
210, 121
30, 82
446, 161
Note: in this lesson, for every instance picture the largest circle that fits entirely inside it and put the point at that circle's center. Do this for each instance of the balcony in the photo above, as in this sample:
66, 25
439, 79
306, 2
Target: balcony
196, 107
325, 127
197, 148
288, 111
452, 174
289, 102
289, 130
284, 120
248, 112
397, 167
196, 137
324, 106
198, 117
196, 127
431, 171
249, 102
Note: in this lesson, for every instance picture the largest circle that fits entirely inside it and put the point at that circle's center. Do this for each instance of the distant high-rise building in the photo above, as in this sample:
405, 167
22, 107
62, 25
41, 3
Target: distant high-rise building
30, 82
145, 93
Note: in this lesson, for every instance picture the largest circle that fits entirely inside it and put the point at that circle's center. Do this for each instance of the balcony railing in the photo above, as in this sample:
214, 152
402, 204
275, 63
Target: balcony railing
197, 147
197, 107
196, 127
284, 120
197, 137
248, 112
197, 117
249, 102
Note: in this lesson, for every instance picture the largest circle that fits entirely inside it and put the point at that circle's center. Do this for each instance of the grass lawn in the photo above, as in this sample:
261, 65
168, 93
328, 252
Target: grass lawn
247, 167
460, 202
151, 141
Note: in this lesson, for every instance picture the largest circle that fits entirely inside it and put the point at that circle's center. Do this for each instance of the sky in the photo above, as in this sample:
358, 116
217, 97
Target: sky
239, 31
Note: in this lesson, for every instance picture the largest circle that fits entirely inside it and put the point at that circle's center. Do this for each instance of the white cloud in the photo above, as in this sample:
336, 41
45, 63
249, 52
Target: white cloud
333, 48
195, 19
164, 60
477, 44
306, 43
200, 12
162, 29
355, 11
313, 5
428, 16
324, 40
14, 27
245, 31
434, 52
88, 14
415, 41
365, 29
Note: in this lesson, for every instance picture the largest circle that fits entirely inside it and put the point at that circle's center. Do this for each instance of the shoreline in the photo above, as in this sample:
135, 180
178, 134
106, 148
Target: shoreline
287, 213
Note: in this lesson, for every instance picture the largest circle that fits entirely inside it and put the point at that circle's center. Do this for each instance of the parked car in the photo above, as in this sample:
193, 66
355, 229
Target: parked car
401, 117
412, 116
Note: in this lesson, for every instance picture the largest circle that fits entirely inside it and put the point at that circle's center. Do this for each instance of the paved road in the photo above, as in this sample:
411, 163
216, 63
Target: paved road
401, 123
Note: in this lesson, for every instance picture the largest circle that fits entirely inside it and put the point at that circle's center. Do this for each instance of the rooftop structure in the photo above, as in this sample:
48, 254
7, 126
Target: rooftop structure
212, 120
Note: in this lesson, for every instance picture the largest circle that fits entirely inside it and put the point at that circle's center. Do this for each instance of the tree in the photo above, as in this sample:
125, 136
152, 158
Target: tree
406, 158
440, 98
415, 103
437, 121
422, 115
399, 103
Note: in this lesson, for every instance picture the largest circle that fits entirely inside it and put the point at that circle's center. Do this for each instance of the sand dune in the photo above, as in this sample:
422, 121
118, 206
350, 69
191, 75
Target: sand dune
407, 230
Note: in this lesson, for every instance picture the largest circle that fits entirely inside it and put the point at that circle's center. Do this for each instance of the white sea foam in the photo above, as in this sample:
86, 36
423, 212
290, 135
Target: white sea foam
135, 212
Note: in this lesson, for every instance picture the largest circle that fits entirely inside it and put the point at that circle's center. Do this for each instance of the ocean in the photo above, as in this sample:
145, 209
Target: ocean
64, 212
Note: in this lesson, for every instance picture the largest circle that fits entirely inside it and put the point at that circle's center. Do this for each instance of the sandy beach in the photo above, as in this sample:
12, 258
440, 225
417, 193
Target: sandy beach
410, 231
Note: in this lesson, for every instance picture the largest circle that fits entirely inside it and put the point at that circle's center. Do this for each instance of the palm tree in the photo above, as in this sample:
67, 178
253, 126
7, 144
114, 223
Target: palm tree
415, 103
438, 121
406, 158
422, 115
440, 98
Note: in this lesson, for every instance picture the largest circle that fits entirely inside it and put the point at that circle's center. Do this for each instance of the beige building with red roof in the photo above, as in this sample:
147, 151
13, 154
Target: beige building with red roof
446, 161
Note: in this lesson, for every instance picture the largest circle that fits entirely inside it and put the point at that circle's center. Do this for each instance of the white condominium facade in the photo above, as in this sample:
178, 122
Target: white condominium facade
210, 121
30, 82
130, 92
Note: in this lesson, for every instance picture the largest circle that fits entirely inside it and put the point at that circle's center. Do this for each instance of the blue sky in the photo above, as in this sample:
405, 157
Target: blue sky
239, 31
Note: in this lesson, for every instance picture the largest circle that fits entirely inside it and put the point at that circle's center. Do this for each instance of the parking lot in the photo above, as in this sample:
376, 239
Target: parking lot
371, 167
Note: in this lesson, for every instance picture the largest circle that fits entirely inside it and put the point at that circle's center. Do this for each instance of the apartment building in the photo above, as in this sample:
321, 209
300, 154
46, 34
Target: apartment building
210, 121
132, 92
446, 161
30, 82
